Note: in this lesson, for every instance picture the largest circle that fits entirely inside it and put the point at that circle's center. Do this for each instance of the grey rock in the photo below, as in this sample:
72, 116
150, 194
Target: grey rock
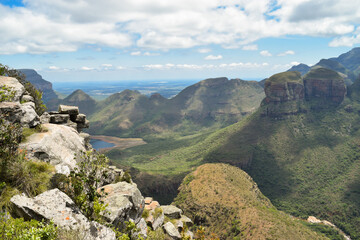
179, 224
71, 110
59, 118
53, 112
14, 85
171, 211
80, 126
158, 221
71, 124
80, 118
141, 225
27, 98
171, 230
45, 118
57, 206
11, 111
186, 220
125, 203
86, 138
29, 116
58, 146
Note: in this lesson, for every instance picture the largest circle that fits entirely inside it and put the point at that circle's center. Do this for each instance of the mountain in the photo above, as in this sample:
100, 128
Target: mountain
212, 102
79, 98
228, 203
302, 68
348, 64
301, 147
45, 86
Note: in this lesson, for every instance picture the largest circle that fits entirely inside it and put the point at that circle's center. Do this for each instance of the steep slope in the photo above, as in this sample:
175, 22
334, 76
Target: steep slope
306, 162
210, 103
229, 204
45, 86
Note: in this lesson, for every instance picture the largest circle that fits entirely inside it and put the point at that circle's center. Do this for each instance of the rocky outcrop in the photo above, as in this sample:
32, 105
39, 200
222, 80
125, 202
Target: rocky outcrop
172, 231
56, 206
325, 84
288, 93
57, 144
19, 107
125, 203
69, 116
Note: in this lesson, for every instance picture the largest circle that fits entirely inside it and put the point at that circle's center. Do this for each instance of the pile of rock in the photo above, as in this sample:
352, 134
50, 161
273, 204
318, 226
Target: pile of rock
169, 217
21, 107
66, 115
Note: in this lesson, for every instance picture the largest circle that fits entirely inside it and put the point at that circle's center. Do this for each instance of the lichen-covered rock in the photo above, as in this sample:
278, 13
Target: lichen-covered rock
171, 211
11, 111
16, 87
58, 146
59, 118
71, 110
29, 117
172, 231
57, 206
324, 84
125, 203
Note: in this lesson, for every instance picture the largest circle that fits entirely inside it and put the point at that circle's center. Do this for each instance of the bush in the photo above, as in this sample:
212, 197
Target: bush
83, 182
18, 229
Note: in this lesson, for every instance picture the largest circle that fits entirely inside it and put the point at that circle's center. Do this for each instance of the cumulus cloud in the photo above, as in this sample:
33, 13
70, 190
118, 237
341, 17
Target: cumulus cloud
289, 52
54, 68
265, 53
137, 53
213, 57
44, 26
86, 68
204, 50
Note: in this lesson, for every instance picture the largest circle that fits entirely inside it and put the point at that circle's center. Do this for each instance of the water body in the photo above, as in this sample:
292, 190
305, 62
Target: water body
100, 144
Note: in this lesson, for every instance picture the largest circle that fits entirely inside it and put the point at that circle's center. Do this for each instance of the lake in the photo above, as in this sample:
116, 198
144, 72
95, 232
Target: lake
99, 144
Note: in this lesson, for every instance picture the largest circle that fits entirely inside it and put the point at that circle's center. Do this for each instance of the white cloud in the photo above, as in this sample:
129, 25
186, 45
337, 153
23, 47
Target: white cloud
137, 53
252, 47
289, 52
151, 54
44, 26
265, 53
86, 68
54, 68
294, 63
106, 65
239, 65
213, 57
204, 50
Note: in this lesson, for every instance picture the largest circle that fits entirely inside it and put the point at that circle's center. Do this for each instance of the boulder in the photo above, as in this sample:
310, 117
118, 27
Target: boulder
171, 211
56, 206
71, 110
85, 124
172, 231
45, 118
142, 226
312, 219
158, 221
59, 118
80, 118
148, 200
58, 146
187, 221
29, 116
12, 111
326, 84
14, 85
125, 203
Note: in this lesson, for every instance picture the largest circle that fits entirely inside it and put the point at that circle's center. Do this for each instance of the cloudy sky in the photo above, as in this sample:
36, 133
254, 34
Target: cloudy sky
92, 40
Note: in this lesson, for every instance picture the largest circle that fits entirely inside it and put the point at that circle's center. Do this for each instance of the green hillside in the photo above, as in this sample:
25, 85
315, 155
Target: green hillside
227, 202
306, 163
211, 103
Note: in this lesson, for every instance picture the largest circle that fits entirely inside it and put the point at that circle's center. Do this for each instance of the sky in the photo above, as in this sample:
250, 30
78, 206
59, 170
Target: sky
111, 40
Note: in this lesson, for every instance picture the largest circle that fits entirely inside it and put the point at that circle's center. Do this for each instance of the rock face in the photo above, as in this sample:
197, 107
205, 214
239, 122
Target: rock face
58, 146
288, 93
57, 206
282, 87
324, 84
14, 85
125, 203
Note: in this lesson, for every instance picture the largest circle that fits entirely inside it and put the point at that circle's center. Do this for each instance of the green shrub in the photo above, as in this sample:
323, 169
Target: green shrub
18, 229
6, 94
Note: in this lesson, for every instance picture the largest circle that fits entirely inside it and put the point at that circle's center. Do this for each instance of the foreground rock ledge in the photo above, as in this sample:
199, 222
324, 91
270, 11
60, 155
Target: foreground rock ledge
57, 206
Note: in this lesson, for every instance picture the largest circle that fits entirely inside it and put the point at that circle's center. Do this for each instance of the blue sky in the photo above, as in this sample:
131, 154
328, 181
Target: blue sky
91, 40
